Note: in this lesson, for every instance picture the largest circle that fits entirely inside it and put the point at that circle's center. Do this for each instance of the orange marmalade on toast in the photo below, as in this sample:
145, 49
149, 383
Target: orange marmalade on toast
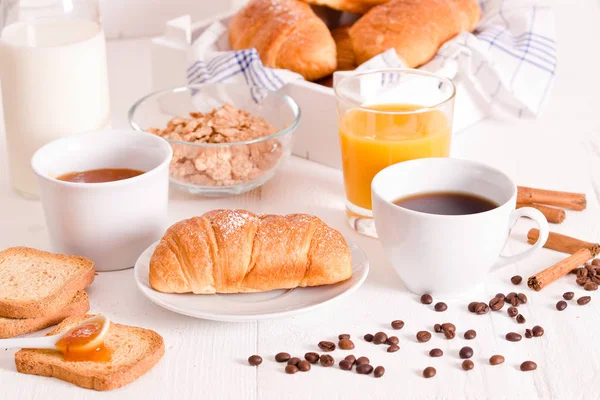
74, 345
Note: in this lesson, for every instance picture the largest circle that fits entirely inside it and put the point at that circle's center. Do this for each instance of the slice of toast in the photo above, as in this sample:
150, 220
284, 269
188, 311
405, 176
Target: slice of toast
10, 327
36, 283
134, 352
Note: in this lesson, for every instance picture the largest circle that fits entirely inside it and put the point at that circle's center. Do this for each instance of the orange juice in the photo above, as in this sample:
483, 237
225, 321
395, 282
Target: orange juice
373, 140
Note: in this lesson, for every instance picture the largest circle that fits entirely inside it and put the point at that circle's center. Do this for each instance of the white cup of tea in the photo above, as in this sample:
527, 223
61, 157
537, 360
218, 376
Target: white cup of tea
442, 254
111, 223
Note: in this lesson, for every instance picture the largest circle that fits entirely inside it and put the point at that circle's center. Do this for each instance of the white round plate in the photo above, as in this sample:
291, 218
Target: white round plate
252, 306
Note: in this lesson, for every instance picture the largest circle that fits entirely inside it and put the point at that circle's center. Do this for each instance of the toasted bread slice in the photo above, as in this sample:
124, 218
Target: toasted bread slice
10, 327
36, 283
134, 352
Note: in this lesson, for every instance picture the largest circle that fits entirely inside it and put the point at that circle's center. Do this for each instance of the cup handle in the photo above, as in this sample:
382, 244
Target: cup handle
542, 223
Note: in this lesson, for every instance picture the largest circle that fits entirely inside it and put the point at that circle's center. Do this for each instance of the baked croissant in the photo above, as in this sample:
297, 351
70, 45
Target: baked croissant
236, 251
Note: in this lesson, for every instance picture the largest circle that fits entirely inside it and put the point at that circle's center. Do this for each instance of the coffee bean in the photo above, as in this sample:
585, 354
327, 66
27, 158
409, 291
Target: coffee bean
364, 369
362, 360
326, 346
522, 298
596, 279
517, 279
440, 306
584, 300
449, 330
596, 261
589, 268
293, 361
327, 360
346, 365
496, 304
311, 357
561, 305
511, 295
472, 306
436, 353
465, 352
429, 372
528, 366
470, 334
393, 340
343, 336
397, 324
590, 286
346, 344
592, 272
513, 337
581, 281
379, 371
368, 337
304, 366
350, 358
380, 338
437, 328
568, 295
393, 348
496, 359
481, 308
255, 360
426, 299
423, 336
528, 333
468, 365
500, 296
582, 273
514, 301
538, 331
282, 357
291, 369
512, 311
521, 319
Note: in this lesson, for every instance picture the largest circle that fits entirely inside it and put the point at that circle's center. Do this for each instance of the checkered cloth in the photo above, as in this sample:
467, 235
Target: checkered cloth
510, 59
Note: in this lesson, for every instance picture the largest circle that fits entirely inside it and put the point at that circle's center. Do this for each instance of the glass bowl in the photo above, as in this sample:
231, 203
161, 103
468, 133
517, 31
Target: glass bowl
228, 167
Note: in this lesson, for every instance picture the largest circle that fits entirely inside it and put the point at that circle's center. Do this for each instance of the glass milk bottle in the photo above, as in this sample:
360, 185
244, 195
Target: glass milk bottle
53, 76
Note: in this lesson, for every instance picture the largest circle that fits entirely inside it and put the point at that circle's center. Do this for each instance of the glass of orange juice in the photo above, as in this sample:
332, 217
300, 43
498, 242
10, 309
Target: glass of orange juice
386, 117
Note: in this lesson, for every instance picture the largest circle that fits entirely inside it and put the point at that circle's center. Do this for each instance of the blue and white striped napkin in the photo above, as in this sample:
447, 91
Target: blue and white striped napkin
509, 61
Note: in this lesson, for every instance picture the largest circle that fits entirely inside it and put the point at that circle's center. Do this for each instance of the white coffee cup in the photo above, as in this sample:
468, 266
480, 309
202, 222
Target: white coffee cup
110, 223
447, 255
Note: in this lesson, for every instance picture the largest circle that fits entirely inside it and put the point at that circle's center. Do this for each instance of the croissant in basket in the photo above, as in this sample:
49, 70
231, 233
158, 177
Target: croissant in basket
236, 251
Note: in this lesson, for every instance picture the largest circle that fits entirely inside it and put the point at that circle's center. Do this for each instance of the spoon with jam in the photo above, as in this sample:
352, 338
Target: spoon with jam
83, 342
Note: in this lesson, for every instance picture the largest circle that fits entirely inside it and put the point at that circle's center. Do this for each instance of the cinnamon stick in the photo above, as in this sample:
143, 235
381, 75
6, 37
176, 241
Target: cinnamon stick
561, 268
552, 214
572, 201
563, 243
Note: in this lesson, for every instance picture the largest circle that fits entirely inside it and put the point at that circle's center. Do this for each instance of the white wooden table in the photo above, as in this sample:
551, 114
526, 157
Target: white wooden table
206, 359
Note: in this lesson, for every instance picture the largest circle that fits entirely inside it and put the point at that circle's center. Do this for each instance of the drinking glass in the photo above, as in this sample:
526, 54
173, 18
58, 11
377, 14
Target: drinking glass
54, 77
386, 117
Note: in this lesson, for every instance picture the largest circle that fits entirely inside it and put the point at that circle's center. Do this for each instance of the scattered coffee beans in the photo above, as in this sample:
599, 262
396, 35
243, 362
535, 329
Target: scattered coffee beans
393, 348
517, 279
379, 371
362, 360
304, 366
255, 360
513, 337
496, 359
293, 361
368, 337
397, 324
282, 357
364, 369
468, 365
423, 336
581, 281
528, 333
522, 298
440, 306
481, 308
528, 366
380, 338
346, 365
590, 286
327, 360
449, 330
426, 299
311, 357
343, 336
470, 334
512, 311
584, 300
326, 346
496, 303
561, 305
472, 306
393, 340
437, 328
436, 353
291, 369
521, 319
465, 352
429, 372
346, 344
500, 296
538, 331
